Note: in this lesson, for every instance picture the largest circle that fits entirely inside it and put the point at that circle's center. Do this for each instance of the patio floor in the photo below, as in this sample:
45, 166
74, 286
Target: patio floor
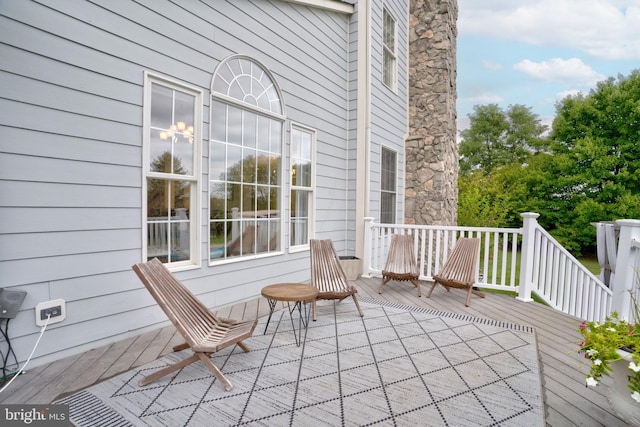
568, 402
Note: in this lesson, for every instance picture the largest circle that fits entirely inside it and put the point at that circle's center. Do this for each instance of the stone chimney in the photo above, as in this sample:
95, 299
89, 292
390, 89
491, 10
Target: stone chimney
431, 151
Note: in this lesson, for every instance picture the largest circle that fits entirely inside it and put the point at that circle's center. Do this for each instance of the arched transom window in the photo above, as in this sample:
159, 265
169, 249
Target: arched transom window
245, 161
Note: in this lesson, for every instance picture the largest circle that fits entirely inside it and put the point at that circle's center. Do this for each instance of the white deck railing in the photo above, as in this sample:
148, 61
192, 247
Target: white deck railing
521, 260
432, 245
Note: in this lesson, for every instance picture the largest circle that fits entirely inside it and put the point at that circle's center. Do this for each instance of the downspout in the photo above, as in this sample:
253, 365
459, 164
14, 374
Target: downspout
363, 122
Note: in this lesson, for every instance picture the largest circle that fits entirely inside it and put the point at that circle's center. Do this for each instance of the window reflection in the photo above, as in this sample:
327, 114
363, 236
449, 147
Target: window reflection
245, 163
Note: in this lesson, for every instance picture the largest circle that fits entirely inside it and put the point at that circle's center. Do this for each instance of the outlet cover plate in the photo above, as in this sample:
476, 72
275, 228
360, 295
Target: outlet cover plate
48, 304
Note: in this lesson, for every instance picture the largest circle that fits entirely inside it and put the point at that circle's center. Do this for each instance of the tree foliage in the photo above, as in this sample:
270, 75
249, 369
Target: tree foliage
587, 170
497, 137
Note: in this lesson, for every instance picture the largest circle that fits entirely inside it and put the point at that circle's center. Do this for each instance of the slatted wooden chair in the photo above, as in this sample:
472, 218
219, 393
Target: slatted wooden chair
401, 263
204, 332
328, 275
459, 271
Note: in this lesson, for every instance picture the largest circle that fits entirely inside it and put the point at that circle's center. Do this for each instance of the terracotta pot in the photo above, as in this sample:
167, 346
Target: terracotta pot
619, 393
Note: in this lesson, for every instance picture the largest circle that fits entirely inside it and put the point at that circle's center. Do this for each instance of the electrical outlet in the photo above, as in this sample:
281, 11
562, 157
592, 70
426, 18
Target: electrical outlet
55, 310
50, 312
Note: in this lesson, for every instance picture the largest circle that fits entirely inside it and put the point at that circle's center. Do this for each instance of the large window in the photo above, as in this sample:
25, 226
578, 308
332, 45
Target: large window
172, 117
245, 161
302, 177
388, 186
389, 54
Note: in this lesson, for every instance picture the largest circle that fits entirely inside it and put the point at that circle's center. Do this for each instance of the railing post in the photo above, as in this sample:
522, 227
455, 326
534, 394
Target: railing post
366, 262
624, 280
529, 225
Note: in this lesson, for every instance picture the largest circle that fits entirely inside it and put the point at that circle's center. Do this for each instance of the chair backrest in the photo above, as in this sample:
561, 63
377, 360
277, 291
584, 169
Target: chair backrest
327, 274
461, 265
190, 317
400, 259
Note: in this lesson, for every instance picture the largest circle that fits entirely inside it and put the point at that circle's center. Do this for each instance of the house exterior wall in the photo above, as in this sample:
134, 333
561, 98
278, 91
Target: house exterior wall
71, 116
389, 113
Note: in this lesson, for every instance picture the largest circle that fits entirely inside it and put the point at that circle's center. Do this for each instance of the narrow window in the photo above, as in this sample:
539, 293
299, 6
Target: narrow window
389, 54
302, 178
245, 161
388, 187
171, 146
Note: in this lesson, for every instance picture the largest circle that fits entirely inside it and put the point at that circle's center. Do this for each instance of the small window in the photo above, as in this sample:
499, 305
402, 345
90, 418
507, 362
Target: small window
388, 187
171, 174
302, 177
389, 54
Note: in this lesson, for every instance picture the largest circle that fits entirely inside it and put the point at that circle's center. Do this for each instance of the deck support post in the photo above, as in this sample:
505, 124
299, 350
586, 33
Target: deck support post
366, 261
530, 223
624, 283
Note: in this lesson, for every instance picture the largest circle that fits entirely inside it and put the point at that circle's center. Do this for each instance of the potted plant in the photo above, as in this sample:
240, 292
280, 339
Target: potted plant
613, 349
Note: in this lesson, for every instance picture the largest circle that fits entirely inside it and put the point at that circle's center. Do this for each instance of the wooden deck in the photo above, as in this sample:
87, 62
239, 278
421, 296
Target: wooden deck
567, 400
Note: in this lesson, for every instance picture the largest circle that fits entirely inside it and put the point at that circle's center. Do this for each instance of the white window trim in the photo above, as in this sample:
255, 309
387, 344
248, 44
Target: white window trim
312, 209
195, 208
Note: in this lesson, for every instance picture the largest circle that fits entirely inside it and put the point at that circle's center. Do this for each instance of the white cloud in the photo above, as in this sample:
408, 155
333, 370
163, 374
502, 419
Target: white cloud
560, 70
605, 29
483, 98
565, 93
489, 65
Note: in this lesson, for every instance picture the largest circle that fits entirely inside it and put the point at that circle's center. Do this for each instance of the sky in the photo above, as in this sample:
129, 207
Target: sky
536, 52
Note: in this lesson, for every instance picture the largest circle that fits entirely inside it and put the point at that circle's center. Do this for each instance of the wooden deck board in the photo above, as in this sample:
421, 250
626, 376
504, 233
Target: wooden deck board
567, 401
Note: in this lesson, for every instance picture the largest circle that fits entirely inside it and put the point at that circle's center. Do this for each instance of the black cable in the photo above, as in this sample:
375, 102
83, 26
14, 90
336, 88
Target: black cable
10, 351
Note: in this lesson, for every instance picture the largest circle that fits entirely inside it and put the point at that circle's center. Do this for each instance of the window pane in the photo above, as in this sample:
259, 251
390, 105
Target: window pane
183, 158
274, 165
248, 201
218, 121
161, 106
299, 217
168, 223
387, 208
184, 114
263, 169
160, 153
217, 200
249, 128
249, 166
263, 133
234, 126
234, 201
234, 163
274, 202
217, 239
276, 137
217, 156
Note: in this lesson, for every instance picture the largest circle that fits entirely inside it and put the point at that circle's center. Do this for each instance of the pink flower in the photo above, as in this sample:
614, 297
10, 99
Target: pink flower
583, 325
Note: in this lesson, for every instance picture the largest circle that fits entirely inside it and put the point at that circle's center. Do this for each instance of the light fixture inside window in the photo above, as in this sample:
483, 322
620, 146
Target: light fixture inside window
177, 131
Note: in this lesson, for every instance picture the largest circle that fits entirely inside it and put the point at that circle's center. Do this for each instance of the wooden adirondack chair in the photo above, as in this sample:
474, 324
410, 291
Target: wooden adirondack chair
328, 275
459, 271
204, 332
401, 263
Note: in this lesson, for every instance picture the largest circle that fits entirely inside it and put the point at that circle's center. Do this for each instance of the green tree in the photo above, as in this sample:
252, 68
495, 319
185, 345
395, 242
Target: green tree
587, 171
496, 137
596, 146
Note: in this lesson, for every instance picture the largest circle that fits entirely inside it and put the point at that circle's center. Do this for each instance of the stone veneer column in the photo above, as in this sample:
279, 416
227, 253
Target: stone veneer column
431, 150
